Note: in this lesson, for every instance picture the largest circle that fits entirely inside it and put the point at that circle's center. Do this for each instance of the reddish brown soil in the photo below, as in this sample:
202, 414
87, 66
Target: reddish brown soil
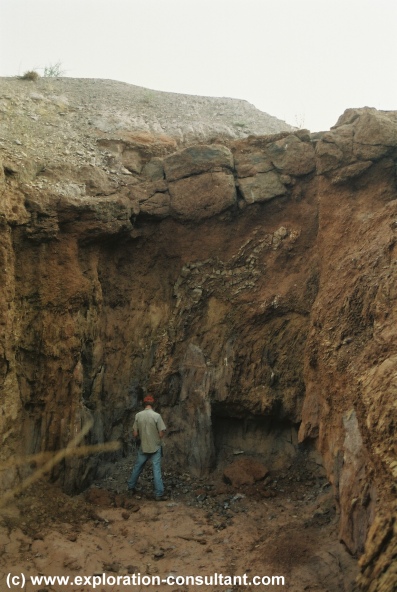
285, 525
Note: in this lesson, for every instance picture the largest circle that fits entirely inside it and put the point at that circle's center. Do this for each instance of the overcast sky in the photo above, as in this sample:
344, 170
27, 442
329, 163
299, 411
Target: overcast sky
304, 61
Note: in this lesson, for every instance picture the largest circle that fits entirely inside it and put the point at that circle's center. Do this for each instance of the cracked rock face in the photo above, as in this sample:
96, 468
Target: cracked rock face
249, 283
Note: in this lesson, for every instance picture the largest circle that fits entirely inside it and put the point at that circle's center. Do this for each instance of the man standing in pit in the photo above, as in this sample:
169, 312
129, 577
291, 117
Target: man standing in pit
149, 428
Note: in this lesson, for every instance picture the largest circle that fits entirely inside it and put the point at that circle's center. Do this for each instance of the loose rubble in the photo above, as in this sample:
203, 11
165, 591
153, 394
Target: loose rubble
281, 524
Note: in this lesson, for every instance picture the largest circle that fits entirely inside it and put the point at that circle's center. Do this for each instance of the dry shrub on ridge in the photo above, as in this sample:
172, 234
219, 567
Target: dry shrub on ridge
30, 75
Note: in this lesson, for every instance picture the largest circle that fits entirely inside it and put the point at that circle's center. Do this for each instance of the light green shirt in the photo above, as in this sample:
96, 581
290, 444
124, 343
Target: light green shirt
148, 424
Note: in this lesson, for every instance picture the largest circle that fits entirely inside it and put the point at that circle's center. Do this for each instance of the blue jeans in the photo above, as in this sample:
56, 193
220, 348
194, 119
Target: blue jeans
141, 460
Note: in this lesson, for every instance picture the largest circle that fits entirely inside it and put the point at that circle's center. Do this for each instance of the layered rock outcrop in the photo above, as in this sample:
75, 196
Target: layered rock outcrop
249, 283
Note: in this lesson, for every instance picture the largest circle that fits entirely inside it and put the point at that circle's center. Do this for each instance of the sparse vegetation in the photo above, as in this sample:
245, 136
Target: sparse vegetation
53, 70
30, 75
300, 120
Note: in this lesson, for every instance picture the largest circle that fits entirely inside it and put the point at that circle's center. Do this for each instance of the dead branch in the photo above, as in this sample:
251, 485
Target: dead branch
43, 456
70, 450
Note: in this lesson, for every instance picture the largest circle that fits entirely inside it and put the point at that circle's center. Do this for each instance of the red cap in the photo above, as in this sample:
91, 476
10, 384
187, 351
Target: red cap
148, 399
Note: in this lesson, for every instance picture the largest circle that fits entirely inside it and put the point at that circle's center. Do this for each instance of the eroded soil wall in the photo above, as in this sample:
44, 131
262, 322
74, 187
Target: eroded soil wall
253, 282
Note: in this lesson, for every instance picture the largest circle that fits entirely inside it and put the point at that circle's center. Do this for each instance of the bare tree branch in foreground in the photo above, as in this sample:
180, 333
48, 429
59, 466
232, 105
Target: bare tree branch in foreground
70, 450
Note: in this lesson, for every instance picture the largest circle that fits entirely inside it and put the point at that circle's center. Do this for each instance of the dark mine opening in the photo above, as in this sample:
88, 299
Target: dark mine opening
271, 442
274, 442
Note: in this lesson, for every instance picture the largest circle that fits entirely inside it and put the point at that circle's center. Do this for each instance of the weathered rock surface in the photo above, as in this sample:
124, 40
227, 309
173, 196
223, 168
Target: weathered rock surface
250, 284
197, 159
202, 196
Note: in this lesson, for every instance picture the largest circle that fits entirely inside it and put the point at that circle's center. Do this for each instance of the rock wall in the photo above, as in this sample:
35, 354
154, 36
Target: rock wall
249, 283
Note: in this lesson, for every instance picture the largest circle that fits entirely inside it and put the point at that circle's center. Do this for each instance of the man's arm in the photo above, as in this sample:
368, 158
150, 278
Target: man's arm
161, 427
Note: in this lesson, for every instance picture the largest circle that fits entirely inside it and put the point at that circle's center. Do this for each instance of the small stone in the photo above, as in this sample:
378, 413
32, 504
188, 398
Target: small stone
114, 567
